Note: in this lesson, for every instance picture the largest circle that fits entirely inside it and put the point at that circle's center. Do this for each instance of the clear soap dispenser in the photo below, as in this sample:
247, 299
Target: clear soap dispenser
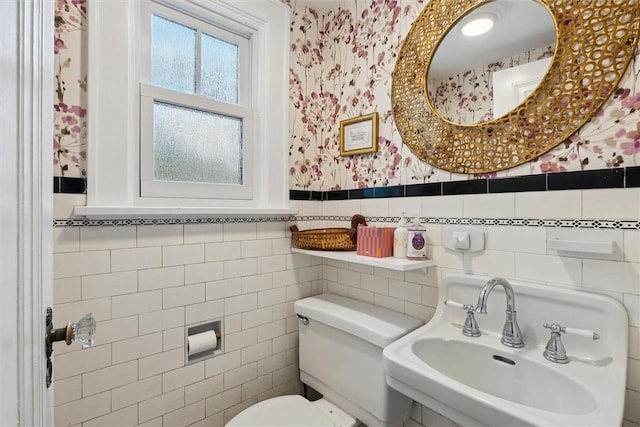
400, 238
417, 240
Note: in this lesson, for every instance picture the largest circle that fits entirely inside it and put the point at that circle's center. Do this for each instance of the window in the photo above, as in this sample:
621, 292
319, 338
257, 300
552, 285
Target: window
196, 112
188, 107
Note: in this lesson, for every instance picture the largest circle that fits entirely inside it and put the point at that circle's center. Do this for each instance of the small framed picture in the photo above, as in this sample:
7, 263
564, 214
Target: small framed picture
359, 135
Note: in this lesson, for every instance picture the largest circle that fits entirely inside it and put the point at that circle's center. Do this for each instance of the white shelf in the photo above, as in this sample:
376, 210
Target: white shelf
350, 256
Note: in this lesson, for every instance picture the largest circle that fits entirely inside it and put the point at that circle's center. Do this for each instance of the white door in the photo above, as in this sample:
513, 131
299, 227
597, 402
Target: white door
512, 86
26, 121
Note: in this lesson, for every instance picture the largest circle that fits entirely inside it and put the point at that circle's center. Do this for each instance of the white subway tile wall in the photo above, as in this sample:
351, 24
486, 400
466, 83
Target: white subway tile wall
441, 207
409, 205
614, 203
549, 204
514, 252
245, 274
144, 284
499, 205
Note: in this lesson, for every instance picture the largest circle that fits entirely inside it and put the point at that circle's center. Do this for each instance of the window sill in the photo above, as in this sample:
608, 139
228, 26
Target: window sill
173, 212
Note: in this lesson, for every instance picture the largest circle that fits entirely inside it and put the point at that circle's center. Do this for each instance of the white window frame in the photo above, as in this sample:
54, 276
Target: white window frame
113, 155
149, 93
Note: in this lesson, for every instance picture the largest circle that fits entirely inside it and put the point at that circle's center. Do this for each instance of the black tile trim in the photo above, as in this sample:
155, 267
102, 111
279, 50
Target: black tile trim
307, 195
393, 191
318, 195
63, 184
427, 189
474, 186
518, 184
362, 193
583, 180
579, 180
633, 177
337, 195
299, 195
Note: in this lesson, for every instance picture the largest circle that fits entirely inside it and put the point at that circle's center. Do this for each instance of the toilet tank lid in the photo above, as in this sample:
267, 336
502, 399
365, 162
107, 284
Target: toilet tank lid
377, 325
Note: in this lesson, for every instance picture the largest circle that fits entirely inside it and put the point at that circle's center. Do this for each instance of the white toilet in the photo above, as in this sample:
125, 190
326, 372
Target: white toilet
341, 342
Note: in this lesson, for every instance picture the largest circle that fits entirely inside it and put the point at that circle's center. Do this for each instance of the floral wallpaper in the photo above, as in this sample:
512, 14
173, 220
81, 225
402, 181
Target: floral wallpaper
70, 113
467, 98
341, 66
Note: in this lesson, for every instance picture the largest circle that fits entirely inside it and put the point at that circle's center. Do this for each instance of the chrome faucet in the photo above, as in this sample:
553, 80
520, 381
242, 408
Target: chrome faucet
511, 336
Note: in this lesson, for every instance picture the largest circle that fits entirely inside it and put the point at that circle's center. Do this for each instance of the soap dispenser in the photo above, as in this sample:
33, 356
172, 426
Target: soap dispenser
417, 240
400, 238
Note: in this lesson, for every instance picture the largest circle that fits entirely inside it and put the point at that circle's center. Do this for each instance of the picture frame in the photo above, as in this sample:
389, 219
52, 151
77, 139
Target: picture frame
359, 135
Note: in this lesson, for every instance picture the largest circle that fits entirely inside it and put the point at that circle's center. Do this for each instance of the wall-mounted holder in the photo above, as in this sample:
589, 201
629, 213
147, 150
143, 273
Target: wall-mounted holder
605, 247
203, 340
83, 332
462, 238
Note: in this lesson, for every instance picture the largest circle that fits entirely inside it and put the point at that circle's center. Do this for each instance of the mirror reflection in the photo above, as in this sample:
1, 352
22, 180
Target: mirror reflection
491, 60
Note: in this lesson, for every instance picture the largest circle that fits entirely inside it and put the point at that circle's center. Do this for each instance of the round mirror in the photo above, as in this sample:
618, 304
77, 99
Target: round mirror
491, 60
596, 40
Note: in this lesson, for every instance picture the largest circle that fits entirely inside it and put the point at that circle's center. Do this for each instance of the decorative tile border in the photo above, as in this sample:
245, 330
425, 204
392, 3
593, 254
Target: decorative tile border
85, 222
508, 222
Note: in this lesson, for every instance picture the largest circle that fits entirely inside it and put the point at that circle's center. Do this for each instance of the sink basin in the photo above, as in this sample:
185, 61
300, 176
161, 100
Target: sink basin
478, 381
509, 377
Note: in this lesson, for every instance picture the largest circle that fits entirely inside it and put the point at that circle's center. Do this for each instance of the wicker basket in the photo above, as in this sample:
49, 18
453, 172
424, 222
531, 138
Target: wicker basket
328, 239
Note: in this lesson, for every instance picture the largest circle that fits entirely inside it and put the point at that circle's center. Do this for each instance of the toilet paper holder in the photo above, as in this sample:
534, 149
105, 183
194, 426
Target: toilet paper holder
204, 339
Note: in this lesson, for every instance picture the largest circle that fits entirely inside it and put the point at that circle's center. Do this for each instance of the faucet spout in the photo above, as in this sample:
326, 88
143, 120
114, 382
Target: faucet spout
511, 335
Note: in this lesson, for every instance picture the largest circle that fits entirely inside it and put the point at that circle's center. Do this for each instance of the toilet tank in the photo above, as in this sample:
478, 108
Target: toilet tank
341, 356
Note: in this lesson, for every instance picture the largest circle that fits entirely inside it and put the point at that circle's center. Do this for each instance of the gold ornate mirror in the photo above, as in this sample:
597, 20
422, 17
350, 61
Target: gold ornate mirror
595, 40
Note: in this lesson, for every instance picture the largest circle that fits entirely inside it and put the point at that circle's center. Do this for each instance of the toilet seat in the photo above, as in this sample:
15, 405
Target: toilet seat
292, 411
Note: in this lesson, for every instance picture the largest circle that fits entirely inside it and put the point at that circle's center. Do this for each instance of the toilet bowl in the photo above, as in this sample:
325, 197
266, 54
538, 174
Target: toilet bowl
293, 411
340, 356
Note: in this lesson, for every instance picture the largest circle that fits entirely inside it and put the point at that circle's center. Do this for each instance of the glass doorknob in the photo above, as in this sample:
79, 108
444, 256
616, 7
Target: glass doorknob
84, 331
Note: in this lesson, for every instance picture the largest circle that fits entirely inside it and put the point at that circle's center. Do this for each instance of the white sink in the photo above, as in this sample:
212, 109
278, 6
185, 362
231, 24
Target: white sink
508, 376
478, 381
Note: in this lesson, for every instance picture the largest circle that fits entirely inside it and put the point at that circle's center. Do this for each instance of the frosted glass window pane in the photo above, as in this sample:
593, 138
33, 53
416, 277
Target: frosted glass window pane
173, 55
219, 69
196, 146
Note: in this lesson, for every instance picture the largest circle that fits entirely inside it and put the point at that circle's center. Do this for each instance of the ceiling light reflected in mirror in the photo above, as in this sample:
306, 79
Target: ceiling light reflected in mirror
479, 25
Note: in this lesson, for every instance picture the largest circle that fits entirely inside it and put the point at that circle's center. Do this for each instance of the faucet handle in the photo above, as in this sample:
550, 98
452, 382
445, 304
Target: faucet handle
455, 304
554, 350
471, 328
584, 333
